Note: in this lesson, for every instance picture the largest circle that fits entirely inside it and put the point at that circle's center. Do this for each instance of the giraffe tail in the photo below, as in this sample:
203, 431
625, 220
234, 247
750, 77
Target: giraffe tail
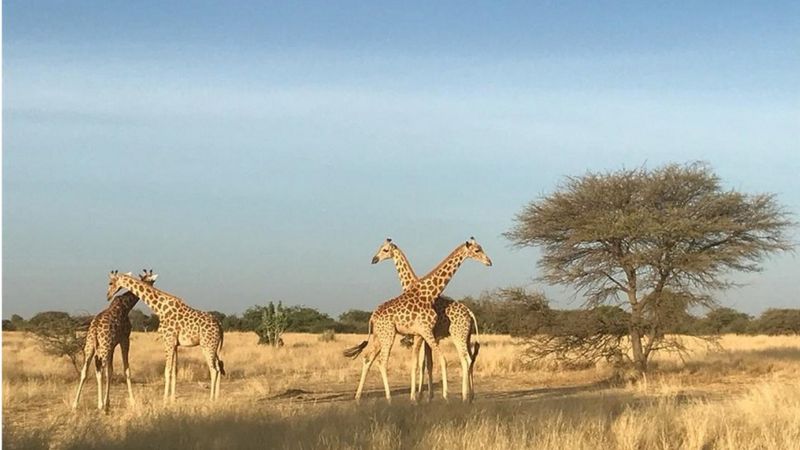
220, 364
221, 367
477, 345
352, 352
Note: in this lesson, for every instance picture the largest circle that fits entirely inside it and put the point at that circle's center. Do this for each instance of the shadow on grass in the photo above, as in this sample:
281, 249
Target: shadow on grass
779, 353
402, 393
304, 419
724, 362
370, 424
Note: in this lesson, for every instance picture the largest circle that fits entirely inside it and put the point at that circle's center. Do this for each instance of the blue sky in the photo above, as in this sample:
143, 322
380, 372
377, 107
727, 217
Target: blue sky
254, 152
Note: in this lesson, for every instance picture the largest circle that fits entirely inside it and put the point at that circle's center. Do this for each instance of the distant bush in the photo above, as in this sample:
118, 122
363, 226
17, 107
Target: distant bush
273, 324
327, 336
724, 321
354, 321
232, 323
302, 319
59, 335
142, 322
46, 319
579, 338
513, 311
777, 321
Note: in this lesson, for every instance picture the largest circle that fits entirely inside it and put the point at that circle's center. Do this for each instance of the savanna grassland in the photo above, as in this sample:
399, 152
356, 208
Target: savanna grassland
300, 396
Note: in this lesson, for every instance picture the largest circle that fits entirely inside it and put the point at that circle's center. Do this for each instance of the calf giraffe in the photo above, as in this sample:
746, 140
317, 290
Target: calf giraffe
454, 320
179, 324
109, 328
412, 312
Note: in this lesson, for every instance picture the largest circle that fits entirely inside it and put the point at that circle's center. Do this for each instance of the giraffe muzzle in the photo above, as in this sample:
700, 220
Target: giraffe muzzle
375, 260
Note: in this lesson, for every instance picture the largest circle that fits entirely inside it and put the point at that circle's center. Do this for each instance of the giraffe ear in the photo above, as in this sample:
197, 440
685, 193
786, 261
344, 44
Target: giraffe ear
153, 277
128, 274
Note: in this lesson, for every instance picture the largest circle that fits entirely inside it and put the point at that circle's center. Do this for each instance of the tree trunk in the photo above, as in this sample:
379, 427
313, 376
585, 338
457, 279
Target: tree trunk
639, 358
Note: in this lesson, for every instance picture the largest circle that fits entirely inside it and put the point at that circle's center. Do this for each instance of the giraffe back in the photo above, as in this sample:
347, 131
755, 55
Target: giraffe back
407, 313
191, 327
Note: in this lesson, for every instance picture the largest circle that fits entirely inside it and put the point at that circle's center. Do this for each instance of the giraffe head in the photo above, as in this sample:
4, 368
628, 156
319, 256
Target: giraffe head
148, 277
115, 278
386, 251
474, 250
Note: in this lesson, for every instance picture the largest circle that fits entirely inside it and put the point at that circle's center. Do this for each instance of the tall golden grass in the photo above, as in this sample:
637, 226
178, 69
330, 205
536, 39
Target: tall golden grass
300, 396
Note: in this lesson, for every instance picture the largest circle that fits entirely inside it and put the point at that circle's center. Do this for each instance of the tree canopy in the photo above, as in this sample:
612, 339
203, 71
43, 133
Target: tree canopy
649, 239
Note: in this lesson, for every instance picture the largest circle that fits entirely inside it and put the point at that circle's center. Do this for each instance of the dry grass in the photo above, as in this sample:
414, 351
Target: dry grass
299, 396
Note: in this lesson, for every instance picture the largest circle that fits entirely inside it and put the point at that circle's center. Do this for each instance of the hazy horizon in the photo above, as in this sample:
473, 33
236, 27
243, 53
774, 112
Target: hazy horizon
250, 153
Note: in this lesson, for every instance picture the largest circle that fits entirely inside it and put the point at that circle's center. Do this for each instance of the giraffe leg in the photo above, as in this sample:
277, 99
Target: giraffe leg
427, 335
88, 356
471, 371
369, 357
109, 370
168, 370
215, 380
213, 374
427, 358
466, 362
98, 374
383, 363
125, 345
420, 357
217, 368
443, 363
216, 384
173, 380
415, 352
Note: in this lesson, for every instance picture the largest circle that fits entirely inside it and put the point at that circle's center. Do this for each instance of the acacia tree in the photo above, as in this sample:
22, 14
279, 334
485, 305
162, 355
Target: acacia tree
646, 239
59, 335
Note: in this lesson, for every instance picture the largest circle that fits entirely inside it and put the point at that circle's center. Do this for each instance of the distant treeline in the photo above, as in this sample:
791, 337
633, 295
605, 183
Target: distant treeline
520, 313
300, 319
506, 311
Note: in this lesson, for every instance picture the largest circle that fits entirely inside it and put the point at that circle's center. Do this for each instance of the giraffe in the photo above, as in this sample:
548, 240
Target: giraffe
455, 320
107, 329
179, 325
412, 312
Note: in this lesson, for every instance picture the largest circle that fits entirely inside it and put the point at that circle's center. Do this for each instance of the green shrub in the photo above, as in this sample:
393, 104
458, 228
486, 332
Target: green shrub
273, 324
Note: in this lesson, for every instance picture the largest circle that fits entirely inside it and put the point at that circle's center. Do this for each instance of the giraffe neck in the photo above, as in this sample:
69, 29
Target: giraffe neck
404, 270
158, 301
438, 278
128, 301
